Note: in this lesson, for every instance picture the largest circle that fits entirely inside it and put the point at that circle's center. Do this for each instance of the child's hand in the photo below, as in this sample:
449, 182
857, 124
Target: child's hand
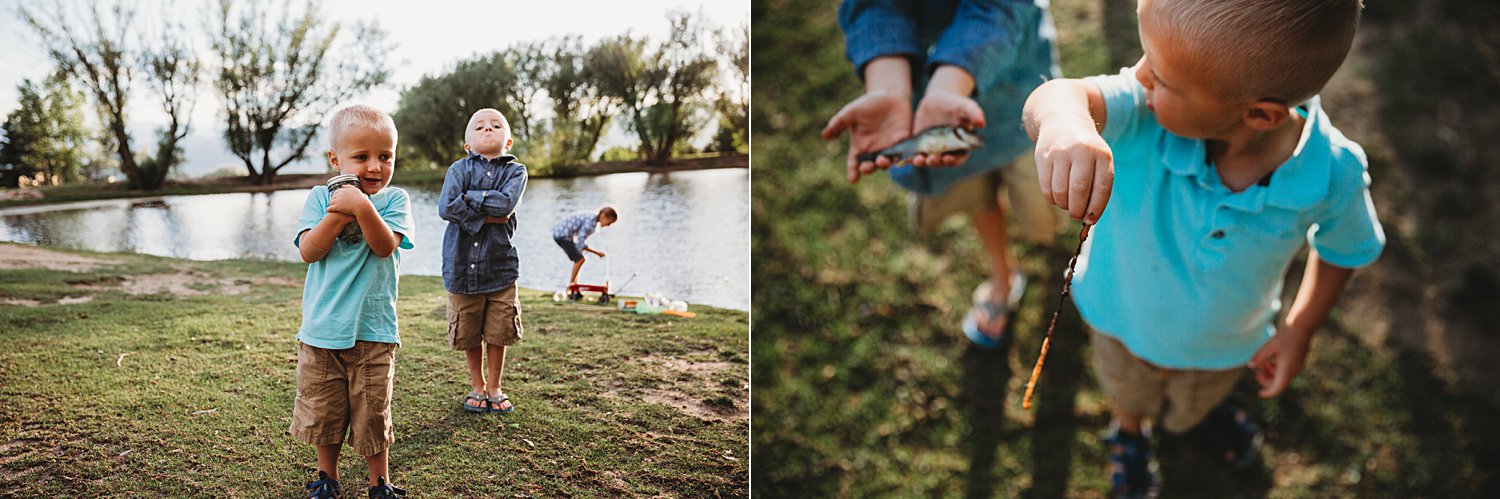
874, 121
1075, 168
348, 200
1279, 360
940, 108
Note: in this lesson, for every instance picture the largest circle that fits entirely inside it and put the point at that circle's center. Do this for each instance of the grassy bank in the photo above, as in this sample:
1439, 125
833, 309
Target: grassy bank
864, 384
409, 177
127, 374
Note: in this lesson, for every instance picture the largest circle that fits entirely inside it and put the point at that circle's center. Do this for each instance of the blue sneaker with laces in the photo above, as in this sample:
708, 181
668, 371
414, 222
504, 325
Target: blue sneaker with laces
323, 487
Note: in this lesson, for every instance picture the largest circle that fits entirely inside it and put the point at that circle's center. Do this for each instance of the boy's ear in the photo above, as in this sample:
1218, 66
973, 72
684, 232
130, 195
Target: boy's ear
333, 159
1264, 115
509, 141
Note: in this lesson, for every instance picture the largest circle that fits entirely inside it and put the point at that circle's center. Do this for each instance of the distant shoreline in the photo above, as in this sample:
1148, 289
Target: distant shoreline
221, 185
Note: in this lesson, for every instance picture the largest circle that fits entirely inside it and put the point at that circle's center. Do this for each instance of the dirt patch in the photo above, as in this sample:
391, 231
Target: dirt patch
695, 388
16, 256
22, 302
187, 283
66, 300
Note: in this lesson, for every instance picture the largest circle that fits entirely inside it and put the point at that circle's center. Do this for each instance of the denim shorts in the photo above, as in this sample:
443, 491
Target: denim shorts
574, 254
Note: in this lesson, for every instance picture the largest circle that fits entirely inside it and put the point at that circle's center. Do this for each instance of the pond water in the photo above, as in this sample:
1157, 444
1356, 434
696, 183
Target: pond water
685, 235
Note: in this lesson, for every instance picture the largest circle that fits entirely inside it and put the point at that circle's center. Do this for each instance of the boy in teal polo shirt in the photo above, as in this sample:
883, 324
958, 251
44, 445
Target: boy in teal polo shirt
1225, 163
346, 360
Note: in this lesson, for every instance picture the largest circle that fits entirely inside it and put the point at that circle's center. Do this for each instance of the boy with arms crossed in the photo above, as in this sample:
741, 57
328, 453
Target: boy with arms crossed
480, 265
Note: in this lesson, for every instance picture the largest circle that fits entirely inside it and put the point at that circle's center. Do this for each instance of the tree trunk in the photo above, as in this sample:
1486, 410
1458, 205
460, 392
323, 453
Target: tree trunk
127, 158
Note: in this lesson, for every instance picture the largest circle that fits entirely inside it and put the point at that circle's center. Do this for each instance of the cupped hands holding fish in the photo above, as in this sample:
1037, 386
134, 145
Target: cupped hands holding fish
883, 117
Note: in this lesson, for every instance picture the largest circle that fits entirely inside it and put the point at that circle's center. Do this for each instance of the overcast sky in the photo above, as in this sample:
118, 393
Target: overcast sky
430, 36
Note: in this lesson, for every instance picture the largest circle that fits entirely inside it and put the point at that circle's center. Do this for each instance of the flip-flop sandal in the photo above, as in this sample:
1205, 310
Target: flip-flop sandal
484, 403
983, 304
495, 404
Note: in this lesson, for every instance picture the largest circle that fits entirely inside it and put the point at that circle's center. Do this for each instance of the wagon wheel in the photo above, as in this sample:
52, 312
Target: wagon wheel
603, 298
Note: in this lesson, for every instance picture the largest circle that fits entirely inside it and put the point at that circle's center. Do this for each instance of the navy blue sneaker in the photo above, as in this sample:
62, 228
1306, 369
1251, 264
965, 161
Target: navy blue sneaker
383, 490
323, 487
1132, 475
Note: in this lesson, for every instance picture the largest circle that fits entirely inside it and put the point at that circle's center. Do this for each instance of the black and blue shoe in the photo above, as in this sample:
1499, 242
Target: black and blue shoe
383, 490
1132, 475
1229, 434
323, 487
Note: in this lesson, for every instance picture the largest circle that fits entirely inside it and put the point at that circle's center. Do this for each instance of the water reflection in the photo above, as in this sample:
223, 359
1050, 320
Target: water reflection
683, 234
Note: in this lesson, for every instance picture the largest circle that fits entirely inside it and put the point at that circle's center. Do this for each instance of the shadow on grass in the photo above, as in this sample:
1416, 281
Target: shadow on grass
985, 378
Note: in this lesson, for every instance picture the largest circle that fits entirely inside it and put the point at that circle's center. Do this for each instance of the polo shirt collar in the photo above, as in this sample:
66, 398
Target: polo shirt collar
1297, 184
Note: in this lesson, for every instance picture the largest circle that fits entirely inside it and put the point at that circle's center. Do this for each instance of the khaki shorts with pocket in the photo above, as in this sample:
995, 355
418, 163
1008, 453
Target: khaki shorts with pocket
1031, 217
493, 318
1180, 397
345, 389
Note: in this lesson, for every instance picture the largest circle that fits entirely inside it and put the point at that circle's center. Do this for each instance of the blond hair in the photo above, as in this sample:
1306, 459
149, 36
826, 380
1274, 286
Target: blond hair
1284, 50
357, 115
470, 127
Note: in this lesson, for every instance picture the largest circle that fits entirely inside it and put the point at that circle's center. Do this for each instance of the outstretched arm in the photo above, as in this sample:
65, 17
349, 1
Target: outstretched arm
1281, 358
947, 102
879, 118
1075, 167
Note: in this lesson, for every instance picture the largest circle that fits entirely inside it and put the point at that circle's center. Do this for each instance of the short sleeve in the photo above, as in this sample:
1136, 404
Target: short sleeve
313, 211
397, 215
1350, 235
1124, 103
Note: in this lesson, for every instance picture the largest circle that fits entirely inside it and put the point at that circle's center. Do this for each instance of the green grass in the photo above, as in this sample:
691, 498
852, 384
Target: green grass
864, 386
109, 397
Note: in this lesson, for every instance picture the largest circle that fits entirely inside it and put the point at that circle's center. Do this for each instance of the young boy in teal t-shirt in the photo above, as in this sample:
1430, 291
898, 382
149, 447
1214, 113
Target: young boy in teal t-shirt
346, 357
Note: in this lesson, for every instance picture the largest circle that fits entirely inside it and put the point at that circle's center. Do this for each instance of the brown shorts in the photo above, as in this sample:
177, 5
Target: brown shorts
345, 389
493, 318
1181, 397
1030, 217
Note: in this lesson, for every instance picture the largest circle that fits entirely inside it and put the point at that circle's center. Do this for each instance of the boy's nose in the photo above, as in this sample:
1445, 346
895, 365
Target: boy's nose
1143, 73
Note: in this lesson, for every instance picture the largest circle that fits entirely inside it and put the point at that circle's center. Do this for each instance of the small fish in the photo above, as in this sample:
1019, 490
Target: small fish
932, 141
351, 232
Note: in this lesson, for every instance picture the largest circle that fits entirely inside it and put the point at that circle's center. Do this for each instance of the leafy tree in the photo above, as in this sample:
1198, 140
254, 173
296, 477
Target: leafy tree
734, 109
580, 108
620, 69
530, 63
44, 134
664, 92
432, 113
277, 81
98, 54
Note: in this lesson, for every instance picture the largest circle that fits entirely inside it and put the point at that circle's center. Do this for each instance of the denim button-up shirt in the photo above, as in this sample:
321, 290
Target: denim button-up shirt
1006, 45
479, 258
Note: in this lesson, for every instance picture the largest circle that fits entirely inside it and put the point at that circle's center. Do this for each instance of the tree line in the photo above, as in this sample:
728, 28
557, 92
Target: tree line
276, 77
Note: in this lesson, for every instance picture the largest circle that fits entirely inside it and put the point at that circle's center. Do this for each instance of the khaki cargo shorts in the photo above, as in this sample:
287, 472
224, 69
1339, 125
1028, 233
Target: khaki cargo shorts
1031, 217
350, 388
1179, 397
493, 319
